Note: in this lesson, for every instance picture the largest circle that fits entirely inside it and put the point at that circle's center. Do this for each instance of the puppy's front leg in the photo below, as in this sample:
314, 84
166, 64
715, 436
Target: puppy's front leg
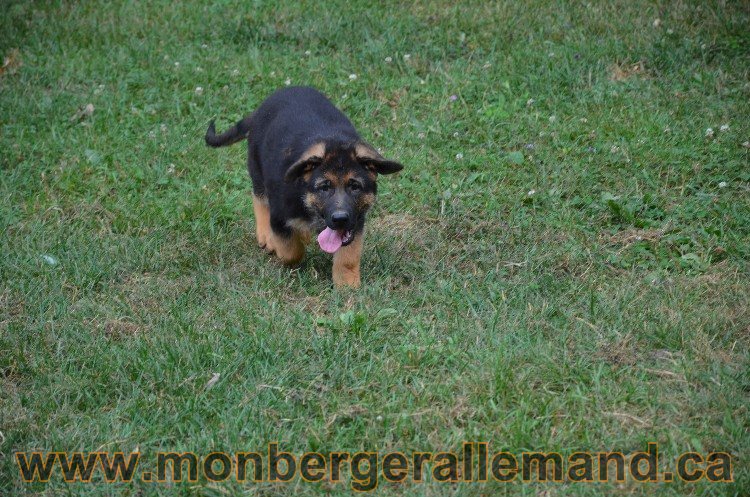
288, 247
346, 263
262, 220
285, 242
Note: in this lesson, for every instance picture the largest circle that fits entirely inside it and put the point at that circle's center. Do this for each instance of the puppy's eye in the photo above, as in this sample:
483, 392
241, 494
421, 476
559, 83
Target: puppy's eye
323, 186
355, 185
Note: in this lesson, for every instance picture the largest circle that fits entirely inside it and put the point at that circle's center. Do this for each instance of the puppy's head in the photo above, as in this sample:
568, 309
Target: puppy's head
340, 183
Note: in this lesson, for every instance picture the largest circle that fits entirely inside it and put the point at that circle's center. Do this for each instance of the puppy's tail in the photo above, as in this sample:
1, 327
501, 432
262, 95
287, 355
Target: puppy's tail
236, 133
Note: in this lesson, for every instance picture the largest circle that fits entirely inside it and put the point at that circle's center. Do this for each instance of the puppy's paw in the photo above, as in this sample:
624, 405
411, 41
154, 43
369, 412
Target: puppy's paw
346, 277
262, 241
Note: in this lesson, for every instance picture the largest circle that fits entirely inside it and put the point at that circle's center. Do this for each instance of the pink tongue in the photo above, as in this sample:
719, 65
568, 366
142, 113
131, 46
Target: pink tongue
330, 240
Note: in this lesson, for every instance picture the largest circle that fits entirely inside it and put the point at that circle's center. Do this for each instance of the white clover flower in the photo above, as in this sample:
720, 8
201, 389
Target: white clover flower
530, 102
170, 169
52, 261
531, 192
177, 65
421, 136
709, 132
163, 128
455, 135
352, 77
199, 90
307, 52
722, 184
288, 82
235, 72
204, 46
552, 119
459, 156
724, 127
657, 22
407, 56
389, 59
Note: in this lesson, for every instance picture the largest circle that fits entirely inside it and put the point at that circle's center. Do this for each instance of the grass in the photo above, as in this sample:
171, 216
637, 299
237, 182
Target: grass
562, 265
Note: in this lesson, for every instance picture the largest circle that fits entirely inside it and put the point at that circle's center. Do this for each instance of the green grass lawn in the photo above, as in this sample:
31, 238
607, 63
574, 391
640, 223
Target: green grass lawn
561, 266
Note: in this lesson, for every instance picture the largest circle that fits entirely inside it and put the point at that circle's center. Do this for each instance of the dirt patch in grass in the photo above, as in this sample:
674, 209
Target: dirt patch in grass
408, 227
12, 307
12, 411
11, 62
125, 308
628, 237
620, 71
148, 292
118, 328
313, 304
619, 353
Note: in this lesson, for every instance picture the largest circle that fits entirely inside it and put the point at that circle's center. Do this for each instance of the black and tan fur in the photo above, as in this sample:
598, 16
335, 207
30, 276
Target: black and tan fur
310, 169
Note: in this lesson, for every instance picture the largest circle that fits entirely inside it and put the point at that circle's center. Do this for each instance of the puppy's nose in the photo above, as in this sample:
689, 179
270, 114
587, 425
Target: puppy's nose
339, 218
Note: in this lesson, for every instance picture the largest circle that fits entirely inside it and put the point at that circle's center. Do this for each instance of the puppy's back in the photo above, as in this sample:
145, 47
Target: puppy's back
303, 110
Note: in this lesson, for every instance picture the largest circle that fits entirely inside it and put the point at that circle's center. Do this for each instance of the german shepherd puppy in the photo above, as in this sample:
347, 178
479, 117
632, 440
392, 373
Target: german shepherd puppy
311, 173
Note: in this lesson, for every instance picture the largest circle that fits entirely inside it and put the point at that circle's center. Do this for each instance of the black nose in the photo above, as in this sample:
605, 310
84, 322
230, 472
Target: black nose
339, 218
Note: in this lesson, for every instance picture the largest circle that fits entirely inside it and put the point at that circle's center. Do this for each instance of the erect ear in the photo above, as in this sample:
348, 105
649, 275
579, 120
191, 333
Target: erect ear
371, 159
309, 160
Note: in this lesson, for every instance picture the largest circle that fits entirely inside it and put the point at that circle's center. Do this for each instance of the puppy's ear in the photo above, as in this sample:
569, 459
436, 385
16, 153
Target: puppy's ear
371, 159
309, 160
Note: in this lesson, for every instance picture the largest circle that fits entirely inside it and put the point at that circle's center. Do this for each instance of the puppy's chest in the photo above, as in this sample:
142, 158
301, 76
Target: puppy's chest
306, 227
